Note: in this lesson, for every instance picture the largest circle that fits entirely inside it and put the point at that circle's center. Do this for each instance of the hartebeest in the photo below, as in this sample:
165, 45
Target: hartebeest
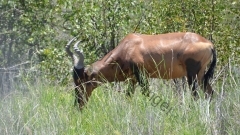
167, 56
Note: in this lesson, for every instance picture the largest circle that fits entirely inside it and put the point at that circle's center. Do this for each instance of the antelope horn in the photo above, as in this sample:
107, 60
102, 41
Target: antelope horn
79, 63
67, 48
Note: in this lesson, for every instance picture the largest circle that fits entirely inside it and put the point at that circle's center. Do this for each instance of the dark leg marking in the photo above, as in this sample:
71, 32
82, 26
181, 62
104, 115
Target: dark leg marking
142, 79
78, 74
193, 67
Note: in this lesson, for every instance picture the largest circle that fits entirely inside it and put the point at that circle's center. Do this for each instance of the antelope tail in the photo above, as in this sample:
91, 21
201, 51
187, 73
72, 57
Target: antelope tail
210, 72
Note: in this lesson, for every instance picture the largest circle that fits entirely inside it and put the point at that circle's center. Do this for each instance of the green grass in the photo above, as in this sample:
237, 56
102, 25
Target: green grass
48, 109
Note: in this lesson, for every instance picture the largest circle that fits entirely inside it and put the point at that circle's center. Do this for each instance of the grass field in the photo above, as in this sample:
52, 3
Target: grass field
46, 109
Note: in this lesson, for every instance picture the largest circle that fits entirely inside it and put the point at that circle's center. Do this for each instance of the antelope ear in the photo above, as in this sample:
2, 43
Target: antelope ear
88, 70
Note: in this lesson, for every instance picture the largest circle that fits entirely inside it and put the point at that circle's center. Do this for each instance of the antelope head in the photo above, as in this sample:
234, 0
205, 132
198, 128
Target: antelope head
83, 77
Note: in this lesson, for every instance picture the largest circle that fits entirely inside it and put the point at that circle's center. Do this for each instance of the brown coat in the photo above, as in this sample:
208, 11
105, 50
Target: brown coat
167, 56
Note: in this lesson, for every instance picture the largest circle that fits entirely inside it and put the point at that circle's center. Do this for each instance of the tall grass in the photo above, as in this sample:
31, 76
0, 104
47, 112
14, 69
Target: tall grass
48, 109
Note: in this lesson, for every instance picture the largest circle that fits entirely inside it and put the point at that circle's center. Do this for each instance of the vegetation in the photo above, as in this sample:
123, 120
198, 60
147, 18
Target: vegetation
34, 63
47, 109
36, 31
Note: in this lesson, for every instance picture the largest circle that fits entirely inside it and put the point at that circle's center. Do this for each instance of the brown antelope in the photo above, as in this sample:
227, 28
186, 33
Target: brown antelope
139, 56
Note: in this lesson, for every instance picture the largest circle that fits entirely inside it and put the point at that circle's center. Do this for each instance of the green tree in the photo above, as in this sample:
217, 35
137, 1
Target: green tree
41, 28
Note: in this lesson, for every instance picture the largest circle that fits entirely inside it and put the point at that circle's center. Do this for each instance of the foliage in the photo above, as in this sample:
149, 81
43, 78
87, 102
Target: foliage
53, 67
36, 31
48, 109
36, 27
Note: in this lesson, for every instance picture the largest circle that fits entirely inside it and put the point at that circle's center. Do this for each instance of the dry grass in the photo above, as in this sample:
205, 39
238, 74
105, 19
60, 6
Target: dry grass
48, 109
